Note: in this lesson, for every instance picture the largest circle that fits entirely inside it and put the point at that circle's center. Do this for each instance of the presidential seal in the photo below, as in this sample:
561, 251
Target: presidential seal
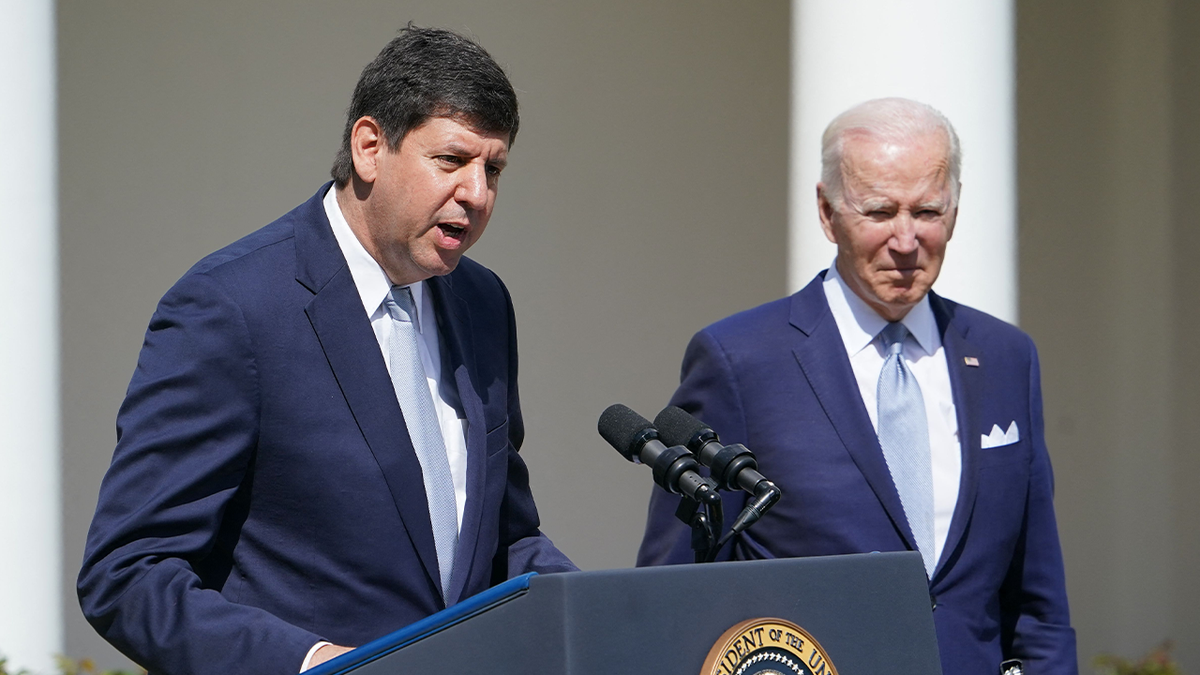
767, 647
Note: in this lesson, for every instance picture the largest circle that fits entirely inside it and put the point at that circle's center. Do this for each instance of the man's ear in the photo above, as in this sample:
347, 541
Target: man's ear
366, 143
825, 209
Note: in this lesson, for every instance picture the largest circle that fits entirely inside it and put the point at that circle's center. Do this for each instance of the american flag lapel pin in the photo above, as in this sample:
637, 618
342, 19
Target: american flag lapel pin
971, 361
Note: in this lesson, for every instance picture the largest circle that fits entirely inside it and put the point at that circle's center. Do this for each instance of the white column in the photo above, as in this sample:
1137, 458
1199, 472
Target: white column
30, 500
956, 56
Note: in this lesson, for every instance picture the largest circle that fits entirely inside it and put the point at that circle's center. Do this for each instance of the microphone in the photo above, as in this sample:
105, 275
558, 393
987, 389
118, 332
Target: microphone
733, 466
674, 467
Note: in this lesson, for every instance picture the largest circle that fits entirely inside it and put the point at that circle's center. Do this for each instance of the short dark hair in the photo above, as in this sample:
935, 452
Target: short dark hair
424, 73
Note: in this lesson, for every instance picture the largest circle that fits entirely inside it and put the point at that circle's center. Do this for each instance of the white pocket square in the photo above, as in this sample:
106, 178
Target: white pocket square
998, 438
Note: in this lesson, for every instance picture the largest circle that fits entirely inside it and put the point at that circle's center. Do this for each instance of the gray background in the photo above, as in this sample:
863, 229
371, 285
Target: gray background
646, 197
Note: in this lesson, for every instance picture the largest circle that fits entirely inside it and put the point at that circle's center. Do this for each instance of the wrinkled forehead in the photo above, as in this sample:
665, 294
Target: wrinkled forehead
860, 145
920, 163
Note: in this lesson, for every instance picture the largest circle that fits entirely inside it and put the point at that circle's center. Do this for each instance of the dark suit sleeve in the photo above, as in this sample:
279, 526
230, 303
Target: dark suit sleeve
157, 550
1036, 623
708, 390
523, 548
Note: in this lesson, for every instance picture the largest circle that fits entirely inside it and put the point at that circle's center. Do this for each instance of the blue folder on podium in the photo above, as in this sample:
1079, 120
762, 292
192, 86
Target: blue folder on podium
868, 614
377, 649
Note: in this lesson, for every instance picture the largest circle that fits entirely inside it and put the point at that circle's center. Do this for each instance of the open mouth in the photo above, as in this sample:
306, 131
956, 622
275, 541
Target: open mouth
453, 231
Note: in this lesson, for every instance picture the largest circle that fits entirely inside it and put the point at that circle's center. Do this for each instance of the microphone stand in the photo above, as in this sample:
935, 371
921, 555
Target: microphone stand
706, 523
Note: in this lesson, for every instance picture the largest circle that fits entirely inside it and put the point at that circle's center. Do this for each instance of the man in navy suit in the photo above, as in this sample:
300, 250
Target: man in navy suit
805, 383
268, 505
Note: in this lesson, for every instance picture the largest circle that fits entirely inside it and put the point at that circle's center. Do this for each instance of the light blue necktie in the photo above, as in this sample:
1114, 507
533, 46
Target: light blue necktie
904, 437
412, 392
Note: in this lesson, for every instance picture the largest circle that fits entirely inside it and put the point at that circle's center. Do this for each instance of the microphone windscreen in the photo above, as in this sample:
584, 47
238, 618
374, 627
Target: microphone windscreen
677, 427
623, 429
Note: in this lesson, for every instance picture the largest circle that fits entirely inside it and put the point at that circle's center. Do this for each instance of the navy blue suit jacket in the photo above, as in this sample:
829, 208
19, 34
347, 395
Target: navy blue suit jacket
777, 379
264, 493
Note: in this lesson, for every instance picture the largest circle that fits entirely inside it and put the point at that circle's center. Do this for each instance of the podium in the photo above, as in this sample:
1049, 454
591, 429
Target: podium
870, 613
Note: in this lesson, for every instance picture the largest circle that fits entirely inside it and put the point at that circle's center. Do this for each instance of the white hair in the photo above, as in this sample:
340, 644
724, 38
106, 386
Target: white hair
888, 119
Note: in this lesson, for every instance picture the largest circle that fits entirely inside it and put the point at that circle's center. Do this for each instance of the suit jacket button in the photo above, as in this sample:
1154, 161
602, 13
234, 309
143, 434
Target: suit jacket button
932, 601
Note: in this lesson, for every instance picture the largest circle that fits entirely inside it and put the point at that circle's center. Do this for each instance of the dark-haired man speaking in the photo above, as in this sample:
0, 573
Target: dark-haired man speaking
319, 444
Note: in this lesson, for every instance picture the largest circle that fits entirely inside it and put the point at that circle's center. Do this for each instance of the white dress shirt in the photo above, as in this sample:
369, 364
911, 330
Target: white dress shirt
859, 326
373, 287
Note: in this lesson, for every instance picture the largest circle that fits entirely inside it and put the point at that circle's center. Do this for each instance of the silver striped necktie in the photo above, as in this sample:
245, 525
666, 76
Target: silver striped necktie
904, 437
416, 402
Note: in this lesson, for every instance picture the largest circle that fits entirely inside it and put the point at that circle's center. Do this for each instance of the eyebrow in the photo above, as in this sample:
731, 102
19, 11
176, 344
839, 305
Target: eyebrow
868, 205
459, 150
455, 148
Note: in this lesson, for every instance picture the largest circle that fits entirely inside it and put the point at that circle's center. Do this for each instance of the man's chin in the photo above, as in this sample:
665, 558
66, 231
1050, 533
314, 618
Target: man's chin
421, 269
906, 300
895, 301
445, 265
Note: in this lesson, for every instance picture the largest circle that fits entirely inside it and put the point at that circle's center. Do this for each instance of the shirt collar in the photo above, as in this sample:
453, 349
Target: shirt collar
369, 278
858, 323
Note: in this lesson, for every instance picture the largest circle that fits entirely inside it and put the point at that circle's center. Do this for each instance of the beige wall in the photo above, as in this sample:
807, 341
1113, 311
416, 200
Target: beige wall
1183, 545
1108, 157
645, 198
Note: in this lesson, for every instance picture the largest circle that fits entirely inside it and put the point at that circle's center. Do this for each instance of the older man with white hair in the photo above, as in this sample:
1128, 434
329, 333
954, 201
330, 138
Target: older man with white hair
892, 418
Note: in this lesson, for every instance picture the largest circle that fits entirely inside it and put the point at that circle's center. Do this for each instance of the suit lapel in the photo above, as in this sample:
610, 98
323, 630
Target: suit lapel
454, 326
967, 387
822, 356
344, 331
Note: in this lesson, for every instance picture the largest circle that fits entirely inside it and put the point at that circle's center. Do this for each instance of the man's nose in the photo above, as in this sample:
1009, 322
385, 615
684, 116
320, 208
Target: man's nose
904, 234
472, 190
